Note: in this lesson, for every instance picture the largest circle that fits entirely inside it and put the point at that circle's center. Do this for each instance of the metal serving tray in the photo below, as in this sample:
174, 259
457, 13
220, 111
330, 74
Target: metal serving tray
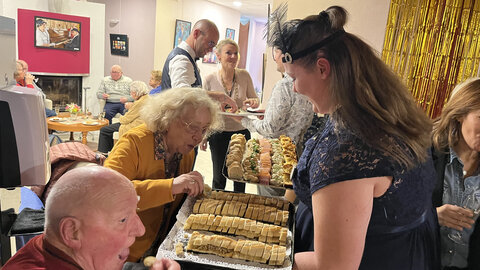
193, 260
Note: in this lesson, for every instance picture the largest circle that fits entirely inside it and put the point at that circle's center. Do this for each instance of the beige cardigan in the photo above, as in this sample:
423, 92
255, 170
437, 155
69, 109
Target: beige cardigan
213, 82
132, 117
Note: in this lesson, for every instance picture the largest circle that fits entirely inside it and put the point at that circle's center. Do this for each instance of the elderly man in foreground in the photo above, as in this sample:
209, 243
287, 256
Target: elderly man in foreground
90, 222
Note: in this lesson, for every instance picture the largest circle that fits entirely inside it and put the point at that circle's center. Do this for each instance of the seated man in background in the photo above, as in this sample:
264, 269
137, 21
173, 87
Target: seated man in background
138, 91
155, 81
114, 89
25, 79
90, 222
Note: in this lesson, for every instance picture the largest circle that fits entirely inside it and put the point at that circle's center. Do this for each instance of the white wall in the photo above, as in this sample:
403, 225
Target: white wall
193, 10
256, 49
367, 19
137, 20
96, 13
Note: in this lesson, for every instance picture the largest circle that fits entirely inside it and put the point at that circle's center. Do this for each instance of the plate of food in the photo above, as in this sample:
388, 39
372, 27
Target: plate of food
241, 112
90, 123
226, 230
57, 119
261, 161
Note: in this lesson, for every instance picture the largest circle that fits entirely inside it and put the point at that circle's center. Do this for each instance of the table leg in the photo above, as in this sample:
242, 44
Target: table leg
71, 136
84, 137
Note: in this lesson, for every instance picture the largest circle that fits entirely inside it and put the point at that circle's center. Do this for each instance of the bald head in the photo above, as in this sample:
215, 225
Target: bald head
205, 25
81, 190
116, 72
203, 38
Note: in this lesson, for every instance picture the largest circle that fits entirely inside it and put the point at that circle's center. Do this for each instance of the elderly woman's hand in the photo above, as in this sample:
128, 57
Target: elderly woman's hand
190, 183
455, 217
128, 105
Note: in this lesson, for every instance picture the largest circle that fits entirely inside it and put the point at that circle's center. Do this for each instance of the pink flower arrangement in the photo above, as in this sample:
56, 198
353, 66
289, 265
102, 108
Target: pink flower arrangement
73, 108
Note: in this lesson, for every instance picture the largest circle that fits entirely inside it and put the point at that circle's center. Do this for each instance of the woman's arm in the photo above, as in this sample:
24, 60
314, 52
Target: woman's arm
341, 213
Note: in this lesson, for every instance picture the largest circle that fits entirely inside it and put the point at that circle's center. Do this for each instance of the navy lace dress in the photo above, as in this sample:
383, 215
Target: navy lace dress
402, 233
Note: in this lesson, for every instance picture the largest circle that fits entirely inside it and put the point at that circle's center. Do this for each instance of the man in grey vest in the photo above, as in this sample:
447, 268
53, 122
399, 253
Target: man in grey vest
180, 68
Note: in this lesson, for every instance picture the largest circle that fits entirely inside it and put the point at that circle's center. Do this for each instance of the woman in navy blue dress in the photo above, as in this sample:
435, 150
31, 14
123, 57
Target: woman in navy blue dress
365, 183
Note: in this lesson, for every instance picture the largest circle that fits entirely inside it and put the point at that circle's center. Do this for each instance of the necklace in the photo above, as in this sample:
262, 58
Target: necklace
228, 92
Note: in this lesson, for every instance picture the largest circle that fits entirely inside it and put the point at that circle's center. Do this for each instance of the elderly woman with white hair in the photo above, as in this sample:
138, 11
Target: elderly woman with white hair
158, 158
138, 91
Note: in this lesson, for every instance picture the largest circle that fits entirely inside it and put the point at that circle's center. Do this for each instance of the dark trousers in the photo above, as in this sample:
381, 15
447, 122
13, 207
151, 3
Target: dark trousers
218, 147
105, 139
50, 113
112, 108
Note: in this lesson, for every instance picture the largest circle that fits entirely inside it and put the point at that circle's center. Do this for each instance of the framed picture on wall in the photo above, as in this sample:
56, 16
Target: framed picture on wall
211, 57
57, 34
230, 33
119, 44
182, 31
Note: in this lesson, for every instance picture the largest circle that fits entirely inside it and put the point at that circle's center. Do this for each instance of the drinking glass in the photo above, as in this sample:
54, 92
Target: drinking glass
101, 116
57, 109
471, 202
88, 114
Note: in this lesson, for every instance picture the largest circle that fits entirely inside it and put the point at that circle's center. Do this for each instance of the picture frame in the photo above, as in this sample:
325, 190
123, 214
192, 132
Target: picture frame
52, 33
182, 31
119, 44
211, 57
230, 33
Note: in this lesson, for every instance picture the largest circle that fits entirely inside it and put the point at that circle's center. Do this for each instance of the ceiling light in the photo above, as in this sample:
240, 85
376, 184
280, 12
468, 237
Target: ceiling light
237, 3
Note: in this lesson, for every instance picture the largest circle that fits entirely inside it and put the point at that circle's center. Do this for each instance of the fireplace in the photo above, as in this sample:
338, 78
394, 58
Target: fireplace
61, 89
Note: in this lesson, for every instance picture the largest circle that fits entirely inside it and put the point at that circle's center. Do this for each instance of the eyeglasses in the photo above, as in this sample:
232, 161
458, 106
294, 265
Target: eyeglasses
211, 43
193, 130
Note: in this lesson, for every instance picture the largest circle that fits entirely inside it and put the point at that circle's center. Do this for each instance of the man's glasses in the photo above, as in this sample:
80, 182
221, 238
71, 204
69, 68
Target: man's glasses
211, 43
193, 130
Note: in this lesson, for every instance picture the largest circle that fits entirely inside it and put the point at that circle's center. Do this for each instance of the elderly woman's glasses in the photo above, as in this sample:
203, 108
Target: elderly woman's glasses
193, 130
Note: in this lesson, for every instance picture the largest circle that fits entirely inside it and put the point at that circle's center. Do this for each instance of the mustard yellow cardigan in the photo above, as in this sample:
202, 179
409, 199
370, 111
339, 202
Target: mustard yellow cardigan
133, 156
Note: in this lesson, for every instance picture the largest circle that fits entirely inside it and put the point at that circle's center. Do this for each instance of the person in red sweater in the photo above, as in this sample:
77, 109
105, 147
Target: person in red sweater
90, 222
25, 79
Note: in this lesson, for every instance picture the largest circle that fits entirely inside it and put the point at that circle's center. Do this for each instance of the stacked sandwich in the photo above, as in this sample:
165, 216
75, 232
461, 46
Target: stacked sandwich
277, 163
242, 249
289, 158
264, 161
250, 161
266, 233
265, 165
234, 158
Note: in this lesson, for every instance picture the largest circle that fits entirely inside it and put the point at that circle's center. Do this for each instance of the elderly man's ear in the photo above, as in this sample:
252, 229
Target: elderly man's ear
70, 232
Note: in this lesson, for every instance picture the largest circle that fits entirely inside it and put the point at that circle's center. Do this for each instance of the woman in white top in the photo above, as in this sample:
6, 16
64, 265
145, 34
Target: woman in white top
237, 84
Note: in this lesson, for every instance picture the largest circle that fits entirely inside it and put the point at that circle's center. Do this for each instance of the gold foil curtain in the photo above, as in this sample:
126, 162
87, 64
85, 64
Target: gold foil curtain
433, 45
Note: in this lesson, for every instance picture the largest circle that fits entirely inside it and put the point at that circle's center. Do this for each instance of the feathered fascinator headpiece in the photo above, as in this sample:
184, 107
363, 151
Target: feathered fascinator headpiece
283, 34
